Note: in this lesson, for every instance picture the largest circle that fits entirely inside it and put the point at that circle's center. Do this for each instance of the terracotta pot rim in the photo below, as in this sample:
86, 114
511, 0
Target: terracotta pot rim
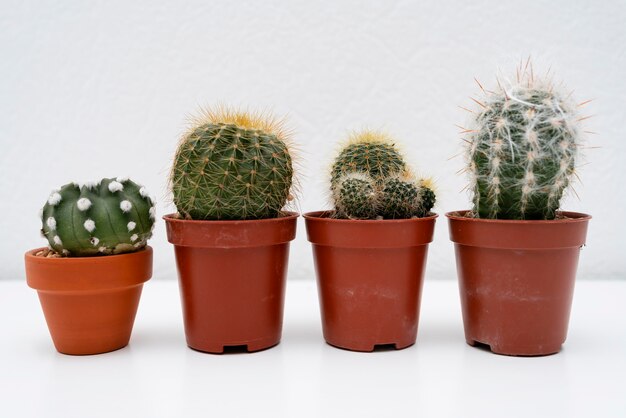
171, 217
30, 254
88, 274
572, 217
319, 216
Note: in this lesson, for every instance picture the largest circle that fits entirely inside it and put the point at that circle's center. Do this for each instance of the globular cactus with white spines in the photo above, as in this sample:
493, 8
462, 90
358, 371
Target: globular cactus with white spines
522, 148
233, 165
370, 180
113, 216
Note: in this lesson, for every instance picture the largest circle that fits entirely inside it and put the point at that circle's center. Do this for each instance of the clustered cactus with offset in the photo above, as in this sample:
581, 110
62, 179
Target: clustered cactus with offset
522, 148
232, 165
371, 180
113, 216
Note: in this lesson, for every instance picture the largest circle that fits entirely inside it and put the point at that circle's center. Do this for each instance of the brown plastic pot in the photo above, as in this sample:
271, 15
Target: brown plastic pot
232, 280
369, 278
516, 280
89, 302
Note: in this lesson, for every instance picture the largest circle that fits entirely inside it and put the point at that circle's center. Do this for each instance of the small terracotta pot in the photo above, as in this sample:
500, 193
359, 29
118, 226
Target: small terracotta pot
516, 280
369, 278
232, 280
89, 302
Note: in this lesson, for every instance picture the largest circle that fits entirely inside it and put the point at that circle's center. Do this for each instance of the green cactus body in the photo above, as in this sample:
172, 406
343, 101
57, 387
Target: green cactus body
403, 197
398, 199
427, 200
370, 180
522, 152
355, 196
377, 158
225, 171
112, 217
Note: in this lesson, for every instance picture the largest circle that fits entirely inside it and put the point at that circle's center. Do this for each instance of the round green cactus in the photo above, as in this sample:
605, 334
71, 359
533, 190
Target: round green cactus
355, 196
403, 197
112, 216
232, 165
368, 152
370, 180
427, 198
398, 198
522, 150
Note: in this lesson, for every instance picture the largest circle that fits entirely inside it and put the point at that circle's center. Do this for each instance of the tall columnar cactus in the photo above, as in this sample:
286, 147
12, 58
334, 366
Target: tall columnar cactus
522, 149
370, 180
112, 216
232, 165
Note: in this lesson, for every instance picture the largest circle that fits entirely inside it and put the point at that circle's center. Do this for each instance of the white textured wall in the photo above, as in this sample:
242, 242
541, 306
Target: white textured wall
93, 89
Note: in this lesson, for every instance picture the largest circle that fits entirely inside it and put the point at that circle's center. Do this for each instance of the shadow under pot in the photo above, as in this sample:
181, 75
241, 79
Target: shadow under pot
516, 280
232, 280
89, 303
369, 277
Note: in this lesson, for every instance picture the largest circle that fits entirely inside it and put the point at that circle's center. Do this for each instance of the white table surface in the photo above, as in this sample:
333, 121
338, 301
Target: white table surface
440, 376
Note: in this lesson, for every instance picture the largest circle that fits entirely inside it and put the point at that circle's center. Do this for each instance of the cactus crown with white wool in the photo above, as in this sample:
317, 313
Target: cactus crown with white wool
522, 148
232, 165
113, 216
370, 180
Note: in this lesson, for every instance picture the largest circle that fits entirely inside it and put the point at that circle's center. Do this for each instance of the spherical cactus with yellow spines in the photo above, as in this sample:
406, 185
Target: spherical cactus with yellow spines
112, 216
522, 148
232, 165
